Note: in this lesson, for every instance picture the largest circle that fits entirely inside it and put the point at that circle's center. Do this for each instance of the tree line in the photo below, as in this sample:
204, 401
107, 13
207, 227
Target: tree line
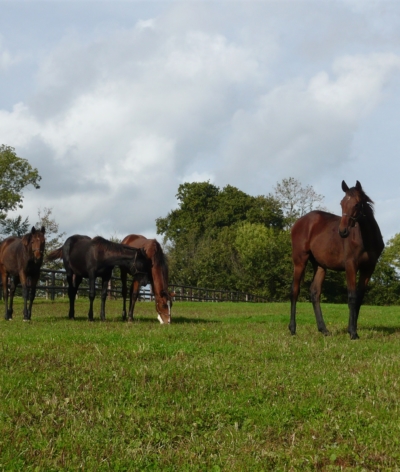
219, 238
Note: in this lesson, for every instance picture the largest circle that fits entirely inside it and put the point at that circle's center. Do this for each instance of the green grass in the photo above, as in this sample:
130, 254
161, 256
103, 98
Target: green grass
224, 387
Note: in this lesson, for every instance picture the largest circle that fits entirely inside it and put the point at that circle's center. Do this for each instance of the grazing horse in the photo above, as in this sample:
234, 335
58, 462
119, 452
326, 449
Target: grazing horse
84, 257
351, 243
21, 259
157, 276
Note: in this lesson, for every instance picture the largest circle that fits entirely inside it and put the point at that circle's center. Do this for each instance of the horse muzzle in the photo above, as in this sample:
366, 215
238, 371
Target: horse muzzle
162, 321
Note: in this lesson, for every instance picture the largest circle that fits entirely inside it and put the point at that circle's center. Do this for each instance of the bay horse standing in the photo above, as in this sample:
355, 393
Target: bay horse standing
157, 276
351, 243
86, 257
21, 260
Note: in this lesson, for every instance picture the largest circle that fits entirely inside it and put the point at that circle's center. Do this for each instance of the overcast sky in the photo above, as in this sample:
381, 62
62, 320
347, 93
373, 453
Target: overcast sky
117, 103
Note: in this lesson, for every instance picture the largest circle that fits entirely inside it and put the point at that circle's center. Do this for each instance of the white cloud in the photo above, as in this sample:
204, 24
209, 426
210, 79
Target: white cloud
126, 124
234, 94
303, 128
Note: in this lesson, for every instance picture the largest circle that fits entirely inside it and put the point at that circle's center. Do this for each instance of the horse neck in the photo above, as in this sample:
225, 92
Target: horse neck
371, 233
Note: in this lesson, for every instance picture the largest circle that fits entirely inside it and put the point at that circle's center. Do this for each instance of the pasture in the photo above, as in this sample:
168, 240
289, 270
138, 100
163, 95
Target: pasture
224, 387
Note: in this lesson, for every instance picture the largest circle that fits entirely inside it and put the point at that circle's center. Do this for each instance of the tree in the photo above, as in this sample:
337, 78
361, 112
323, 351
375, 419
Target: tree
296, 200
14, 226
15, 174
204, 208
196, 201
391, 253
54, 238
199, 235
384, 288
264, 255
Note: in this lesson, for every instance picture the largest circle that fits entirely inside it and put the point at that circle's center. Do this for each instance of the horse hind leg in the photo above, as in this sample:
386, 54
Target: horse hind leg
315, 293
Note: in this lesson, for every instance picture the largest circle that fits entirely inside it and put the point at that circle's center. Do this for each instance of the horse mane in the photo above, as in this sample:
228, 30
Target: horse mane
368, 204
155, 253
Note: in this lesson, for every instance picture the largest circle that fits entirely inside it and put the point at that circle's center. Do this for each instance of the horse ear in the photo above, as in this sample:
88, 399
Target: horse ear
33, 230
43, 229
358, 186
344, 186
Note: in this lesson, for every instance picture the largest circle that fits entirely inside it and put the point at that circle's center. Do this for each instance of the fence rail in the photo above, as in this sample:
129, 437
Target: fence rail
53, 284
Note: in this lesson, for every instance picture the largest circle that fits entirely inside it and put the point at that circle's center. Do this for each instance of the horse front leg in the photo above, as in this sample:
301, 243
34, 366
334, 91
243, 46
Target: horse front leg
353, 303
104, 288
363, 280
25, 283
134, 294
32, 294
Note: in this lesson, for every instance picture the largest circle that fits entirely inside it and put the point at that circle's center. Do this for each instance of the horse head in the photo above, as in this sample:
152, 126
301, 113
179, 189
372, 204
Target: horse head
352, 207
163, 306
34, 243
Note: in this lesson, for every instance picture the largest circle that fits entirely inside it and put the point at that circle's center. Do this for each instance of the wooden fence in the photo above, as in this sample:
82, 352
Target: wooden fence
53, 284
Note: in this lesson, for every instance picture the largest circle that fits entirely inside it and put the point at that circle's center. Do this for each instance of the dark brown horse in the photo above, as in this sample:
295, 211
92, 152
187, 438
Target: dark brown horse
85, 257
351, 243
21, 259
157, 276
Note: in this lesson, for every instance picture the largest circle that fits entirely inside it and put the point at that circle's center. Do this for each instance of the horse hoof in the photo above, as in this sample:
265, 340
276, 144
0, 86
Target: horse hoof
326, 333
354, 336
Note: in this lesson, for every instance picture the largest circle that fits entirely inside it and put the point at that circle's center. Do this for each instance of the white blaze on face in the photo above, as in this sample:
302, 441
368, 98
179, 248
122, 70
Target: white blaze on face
160, 319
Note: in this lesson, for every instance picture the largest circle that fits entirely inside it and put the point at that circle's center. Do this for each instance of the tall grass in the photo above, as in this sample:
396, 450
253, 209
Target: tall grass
224, 387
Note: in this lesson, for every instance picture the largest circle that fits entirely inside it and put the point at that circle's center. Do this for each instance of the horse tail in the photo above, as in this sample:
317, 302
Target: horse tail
54, 255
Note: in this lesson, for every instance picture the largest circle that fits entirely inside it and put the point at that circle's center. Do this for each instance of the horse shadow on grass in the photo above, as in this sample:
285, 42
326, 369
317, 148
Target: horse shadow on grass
385, 330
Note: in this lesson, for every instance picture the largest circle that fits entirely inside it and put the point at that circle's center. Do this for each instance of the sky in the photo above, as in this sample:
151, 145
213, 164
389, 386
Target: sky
117, 103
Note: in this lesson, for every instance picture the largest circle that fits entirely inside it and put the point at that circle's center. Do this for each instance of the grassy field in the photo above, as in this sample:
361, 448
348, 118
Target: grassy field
224, 387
